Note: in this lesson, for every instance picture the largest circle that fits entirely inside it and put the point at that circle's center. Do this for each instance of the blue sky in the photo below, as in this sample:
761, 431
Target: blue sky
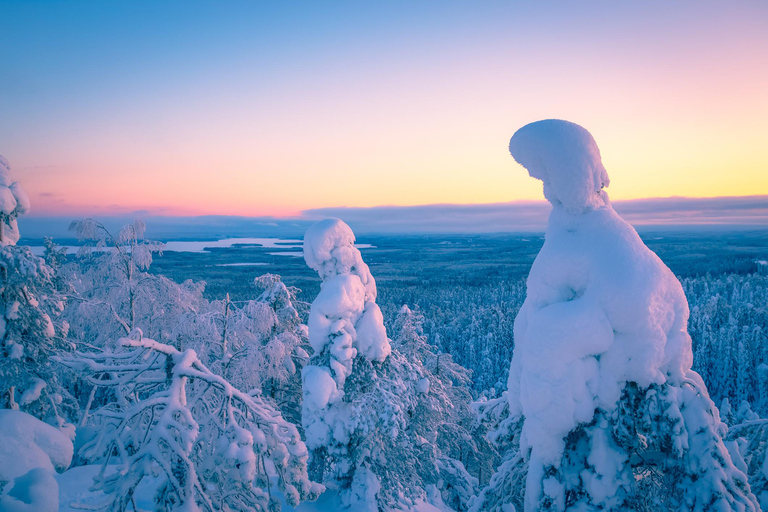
271, 109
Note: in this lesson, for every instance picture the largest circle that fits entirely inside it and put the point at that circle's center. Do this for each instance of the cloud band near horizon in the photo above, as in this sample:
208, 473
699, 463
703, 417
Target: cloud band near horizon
745, 212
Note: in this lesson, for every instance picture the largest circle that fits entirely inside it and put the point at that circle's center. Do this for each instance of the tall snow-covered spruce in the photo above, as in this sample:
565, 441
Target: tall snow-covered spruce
613, 416
344, 322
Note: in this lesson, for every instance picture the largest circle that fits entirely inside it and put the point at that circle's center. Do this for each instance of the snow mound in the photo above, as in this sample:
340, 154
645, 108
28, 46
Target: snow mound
28, 443
30, 452
35, 491
565, 157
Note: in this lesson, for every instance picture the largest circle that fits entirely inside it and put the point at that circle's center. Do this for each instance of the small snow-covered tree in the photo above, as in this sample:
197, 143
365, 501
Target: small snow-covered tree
258, 345
215, 446
347, 334
112, 293
750, 439
443, 414
613, 416
29, 304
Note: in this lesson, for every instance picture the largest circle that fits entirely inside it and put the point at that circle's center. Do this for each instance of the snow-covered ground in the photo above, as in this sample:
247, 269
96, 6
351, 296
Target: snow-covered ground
75, 495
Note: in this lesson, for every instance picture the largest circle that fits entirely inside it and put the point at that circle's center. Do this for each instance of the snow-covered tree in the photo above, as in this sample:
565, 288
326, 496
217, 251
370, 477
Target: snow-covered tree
750, 440
613, 416
112, 292
347, 335
29, 304
443, 414
215, 446
13, 203
263, 344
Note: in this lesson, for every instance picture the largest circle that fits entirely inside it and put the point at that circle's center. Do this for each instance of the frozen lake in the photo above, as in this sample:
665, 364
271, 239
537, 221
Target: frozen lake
198, 246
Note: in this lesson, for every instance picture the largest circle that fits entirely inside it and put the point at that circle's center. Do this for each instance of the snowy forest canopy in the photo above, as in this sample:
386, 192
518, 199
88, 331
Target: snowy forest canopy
128, 386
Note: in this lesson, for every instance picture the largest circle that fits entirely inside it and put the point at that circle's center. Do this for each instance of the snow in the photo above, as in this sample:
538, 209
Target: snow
601, 310
565, 157
22, 199
32, 393
7, 200
344, 321
35, 491
30, 452
13, 202
29, 443
75, 495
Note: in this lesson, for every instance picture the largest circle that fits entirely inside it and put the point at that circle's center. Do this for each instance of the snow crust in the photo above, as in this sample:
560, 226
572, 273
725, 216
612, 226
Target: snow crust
13, 202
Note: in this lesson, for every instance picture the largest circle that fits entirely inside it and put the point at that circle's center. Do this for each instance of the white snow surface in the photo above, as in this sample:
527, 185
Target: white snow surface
75, 495
565, 157
30, 452
28, 443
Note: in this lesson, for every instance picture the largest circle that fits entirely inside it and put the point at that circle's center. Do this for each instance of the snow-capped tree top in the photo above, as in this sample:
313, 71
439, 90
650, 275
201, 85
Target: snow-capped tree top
5, 172
322, 241
13, 202
601, 308
329, 248
565, 157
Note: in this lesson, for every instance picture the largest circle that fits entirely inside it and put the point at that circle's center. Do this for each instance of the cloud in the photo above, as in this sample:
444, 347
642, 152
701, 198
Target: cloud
750, 212
668, 212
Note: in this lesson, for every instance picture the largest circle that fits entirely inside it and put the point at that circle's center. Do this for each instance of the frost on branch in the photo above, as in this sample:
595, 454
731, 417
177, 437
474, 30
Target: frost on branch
215, 446
614, 417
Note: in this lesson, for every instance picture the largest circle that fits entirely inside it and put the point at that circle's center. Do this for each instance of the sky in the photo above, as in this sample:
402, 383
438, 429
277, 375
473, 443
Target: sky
271, 109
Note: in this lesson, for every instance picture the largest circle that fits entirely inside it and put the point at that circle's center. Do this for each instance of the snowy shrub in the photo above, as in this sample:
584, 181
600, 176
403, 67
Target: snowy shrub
613, 416
215, 446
